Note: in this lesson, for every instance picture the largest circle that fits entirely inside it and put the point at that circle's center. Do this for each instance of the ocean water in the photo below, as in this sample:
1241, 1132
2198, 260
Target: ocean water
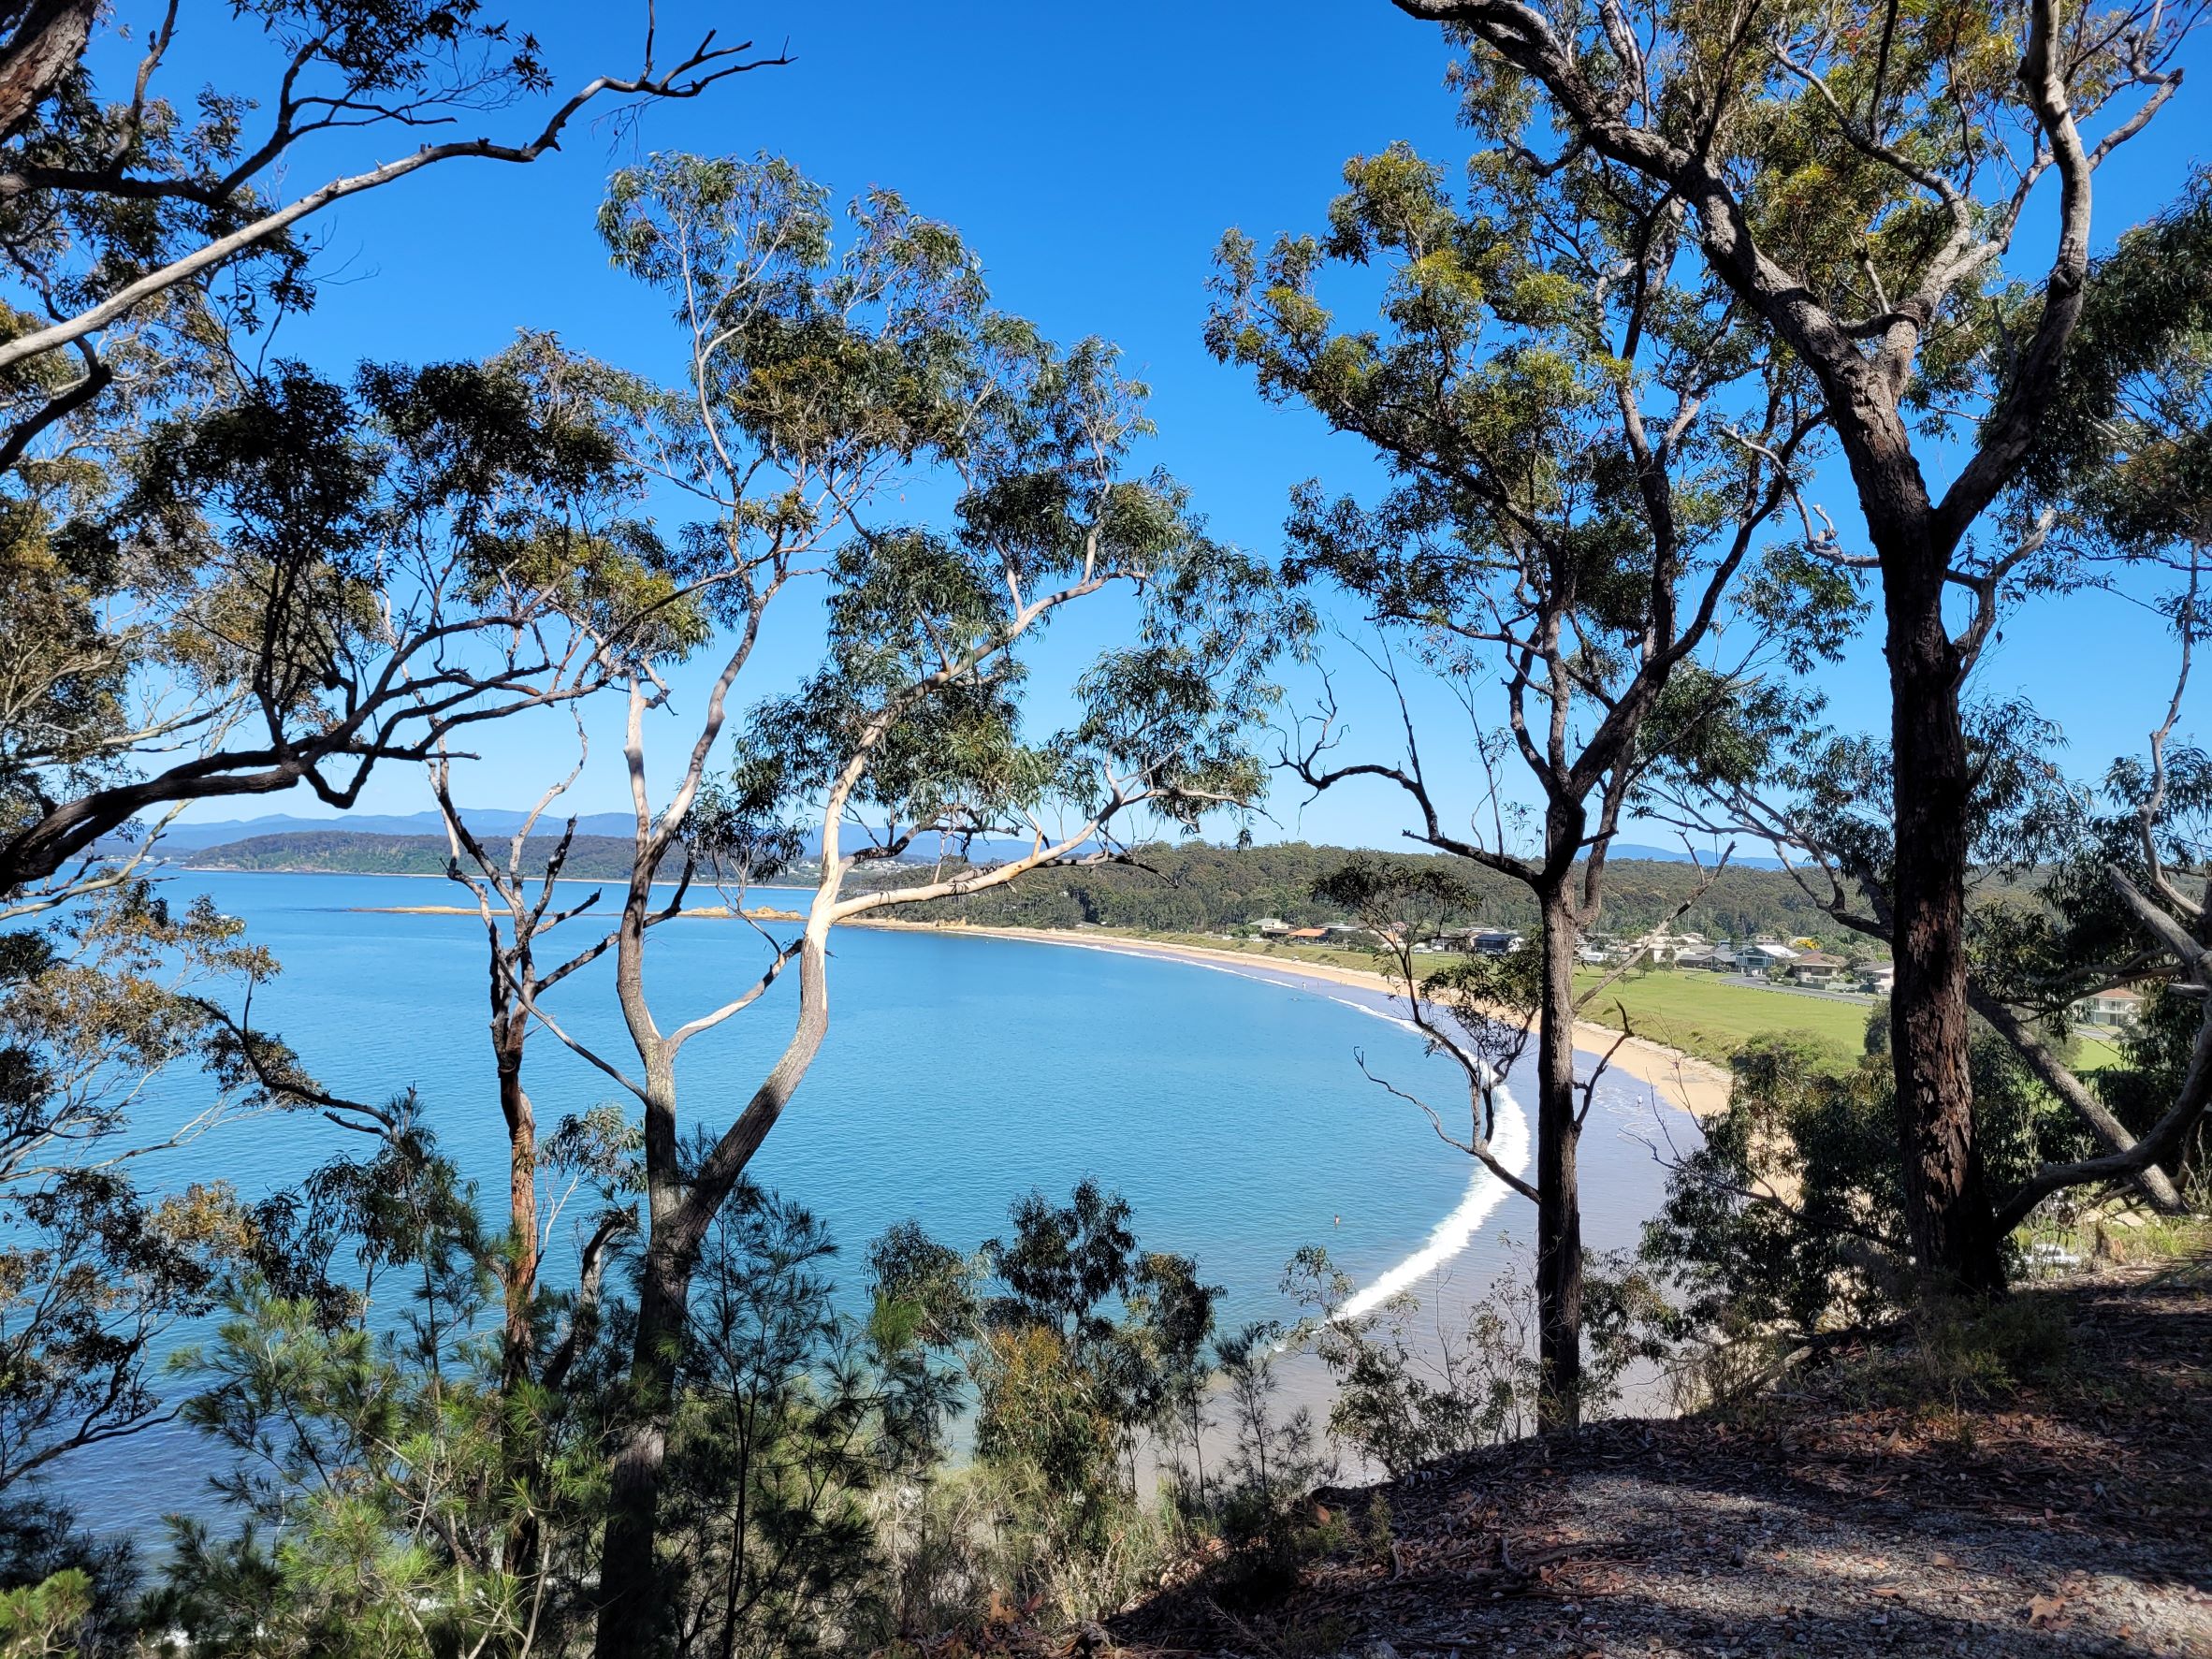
1226, 1102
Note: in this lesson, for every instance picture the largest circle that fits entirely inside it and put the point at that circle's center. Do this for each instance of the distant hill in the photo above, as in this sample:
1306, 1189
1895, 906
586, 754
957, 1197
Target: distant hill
1628, 849
594, 857
1192, 888
356, 853
1199, 889
499, 821
491, 820
202, 838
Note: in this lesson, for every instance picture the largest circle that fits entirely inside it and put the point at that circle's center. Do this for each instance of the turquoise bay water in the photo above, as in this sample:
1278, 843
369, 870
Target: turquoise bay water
960, 1072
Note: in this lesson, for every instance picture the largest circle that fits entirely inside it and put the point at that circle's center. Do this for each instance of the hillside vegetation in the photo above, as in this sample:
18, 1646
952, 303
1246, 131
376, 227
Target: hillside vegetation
358, 853
1195, 888
1187, 889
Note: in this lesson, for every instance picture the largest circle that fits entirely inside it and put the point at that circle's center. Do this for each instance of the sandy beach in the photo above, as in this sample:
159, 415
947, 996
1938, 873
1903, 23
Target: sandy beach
1447, 1293
1696, 1087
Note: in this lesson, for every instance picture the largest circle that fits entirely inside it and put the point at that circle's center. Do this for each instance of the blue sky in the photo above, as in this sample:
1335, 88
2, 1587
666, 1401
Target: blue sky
1093, 156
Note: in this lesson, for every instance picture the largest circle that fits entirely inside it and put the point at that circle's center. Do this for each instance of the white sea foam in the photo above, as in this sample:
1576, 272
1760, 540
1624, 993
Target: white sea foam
1485, 1191
1457, 1231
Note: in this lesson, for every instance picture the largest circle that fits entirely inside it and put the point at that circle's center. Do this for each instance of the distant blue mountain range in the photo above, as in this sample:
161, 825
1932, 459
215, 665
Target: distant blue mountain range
1676, 855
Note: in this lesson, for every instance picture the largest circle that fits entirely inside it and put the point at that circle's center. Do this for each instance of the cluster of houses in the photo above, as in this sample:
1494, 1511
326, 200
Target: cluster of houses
1800, 962
1465, 942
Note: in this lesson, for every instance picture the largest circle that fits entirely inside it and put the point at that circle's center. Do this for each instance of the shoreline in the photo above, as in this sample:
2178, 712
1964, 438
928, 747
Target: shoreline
1678, 1078
1682, 1081
1430, 1269
1693, 1085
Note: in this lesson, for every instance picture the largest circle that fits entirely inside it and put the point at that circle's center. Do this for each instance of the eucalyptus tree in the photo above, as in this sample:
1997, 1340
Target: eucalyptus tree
2119, 479
1584, 451
151, 252
1854, 177
286, 527
824, 377
292, 588
517, 907
143, 226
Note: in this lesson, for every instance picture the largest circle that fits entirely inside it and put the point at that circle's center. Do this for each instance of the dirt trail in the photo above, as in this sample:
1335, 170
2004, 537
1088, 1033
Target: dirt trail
2069, 1515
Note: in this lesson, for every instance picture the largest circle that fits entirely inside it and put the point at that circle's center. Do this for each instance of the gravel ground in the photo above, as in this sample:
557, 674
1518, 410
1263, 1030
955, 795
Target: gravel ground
2073, 1516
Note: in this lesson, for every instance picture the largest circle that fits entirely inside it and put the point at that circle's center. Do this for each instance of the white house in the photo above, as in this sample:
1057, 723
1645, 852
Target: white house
1660, 947
2119, 1009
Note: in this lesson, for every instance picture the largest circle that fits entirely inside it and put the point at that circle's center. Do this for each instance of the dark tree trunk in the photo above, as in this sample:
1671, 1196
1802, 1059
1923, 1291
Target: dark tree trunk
522, 1189
46, 41
631, 1610
1947, 1198
1559, 1208
509, 1027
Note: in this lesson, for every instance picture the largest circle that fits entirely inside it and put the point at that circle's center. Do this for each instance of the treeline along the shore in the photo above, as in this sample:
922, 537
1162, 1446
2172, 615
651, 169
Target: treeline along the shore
1191, 888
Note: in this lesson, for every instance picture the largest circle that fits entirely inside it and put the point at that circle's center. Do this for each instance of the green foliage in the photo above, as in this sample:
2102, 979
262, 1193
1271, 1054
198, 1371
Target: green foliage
2062, 943
2125, 446
1535, 520
921, 672
1195, 888
335, 572
1065, 1378
1408, 1393
366, 1466
397, 1491
1787, 1224
1077, 1346
1747, 1266
116, 181
1257, 1505
2142, 1086
791, 1425
44, 1618
93, 1270
1956, 1354
280, 508
63, 1586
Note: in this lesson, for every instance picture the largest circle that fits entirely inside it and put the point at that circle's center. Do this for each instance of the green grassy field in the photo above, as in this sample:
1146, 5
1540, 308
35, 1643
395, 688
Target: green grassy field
1702, 1014
1699, 1013
2094, 1054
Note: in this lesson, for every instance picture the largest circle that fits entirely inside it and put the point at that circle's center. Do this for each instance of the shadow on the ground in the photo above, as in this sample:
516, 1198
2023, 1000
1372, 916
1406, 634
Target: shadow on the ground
2070, 1514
